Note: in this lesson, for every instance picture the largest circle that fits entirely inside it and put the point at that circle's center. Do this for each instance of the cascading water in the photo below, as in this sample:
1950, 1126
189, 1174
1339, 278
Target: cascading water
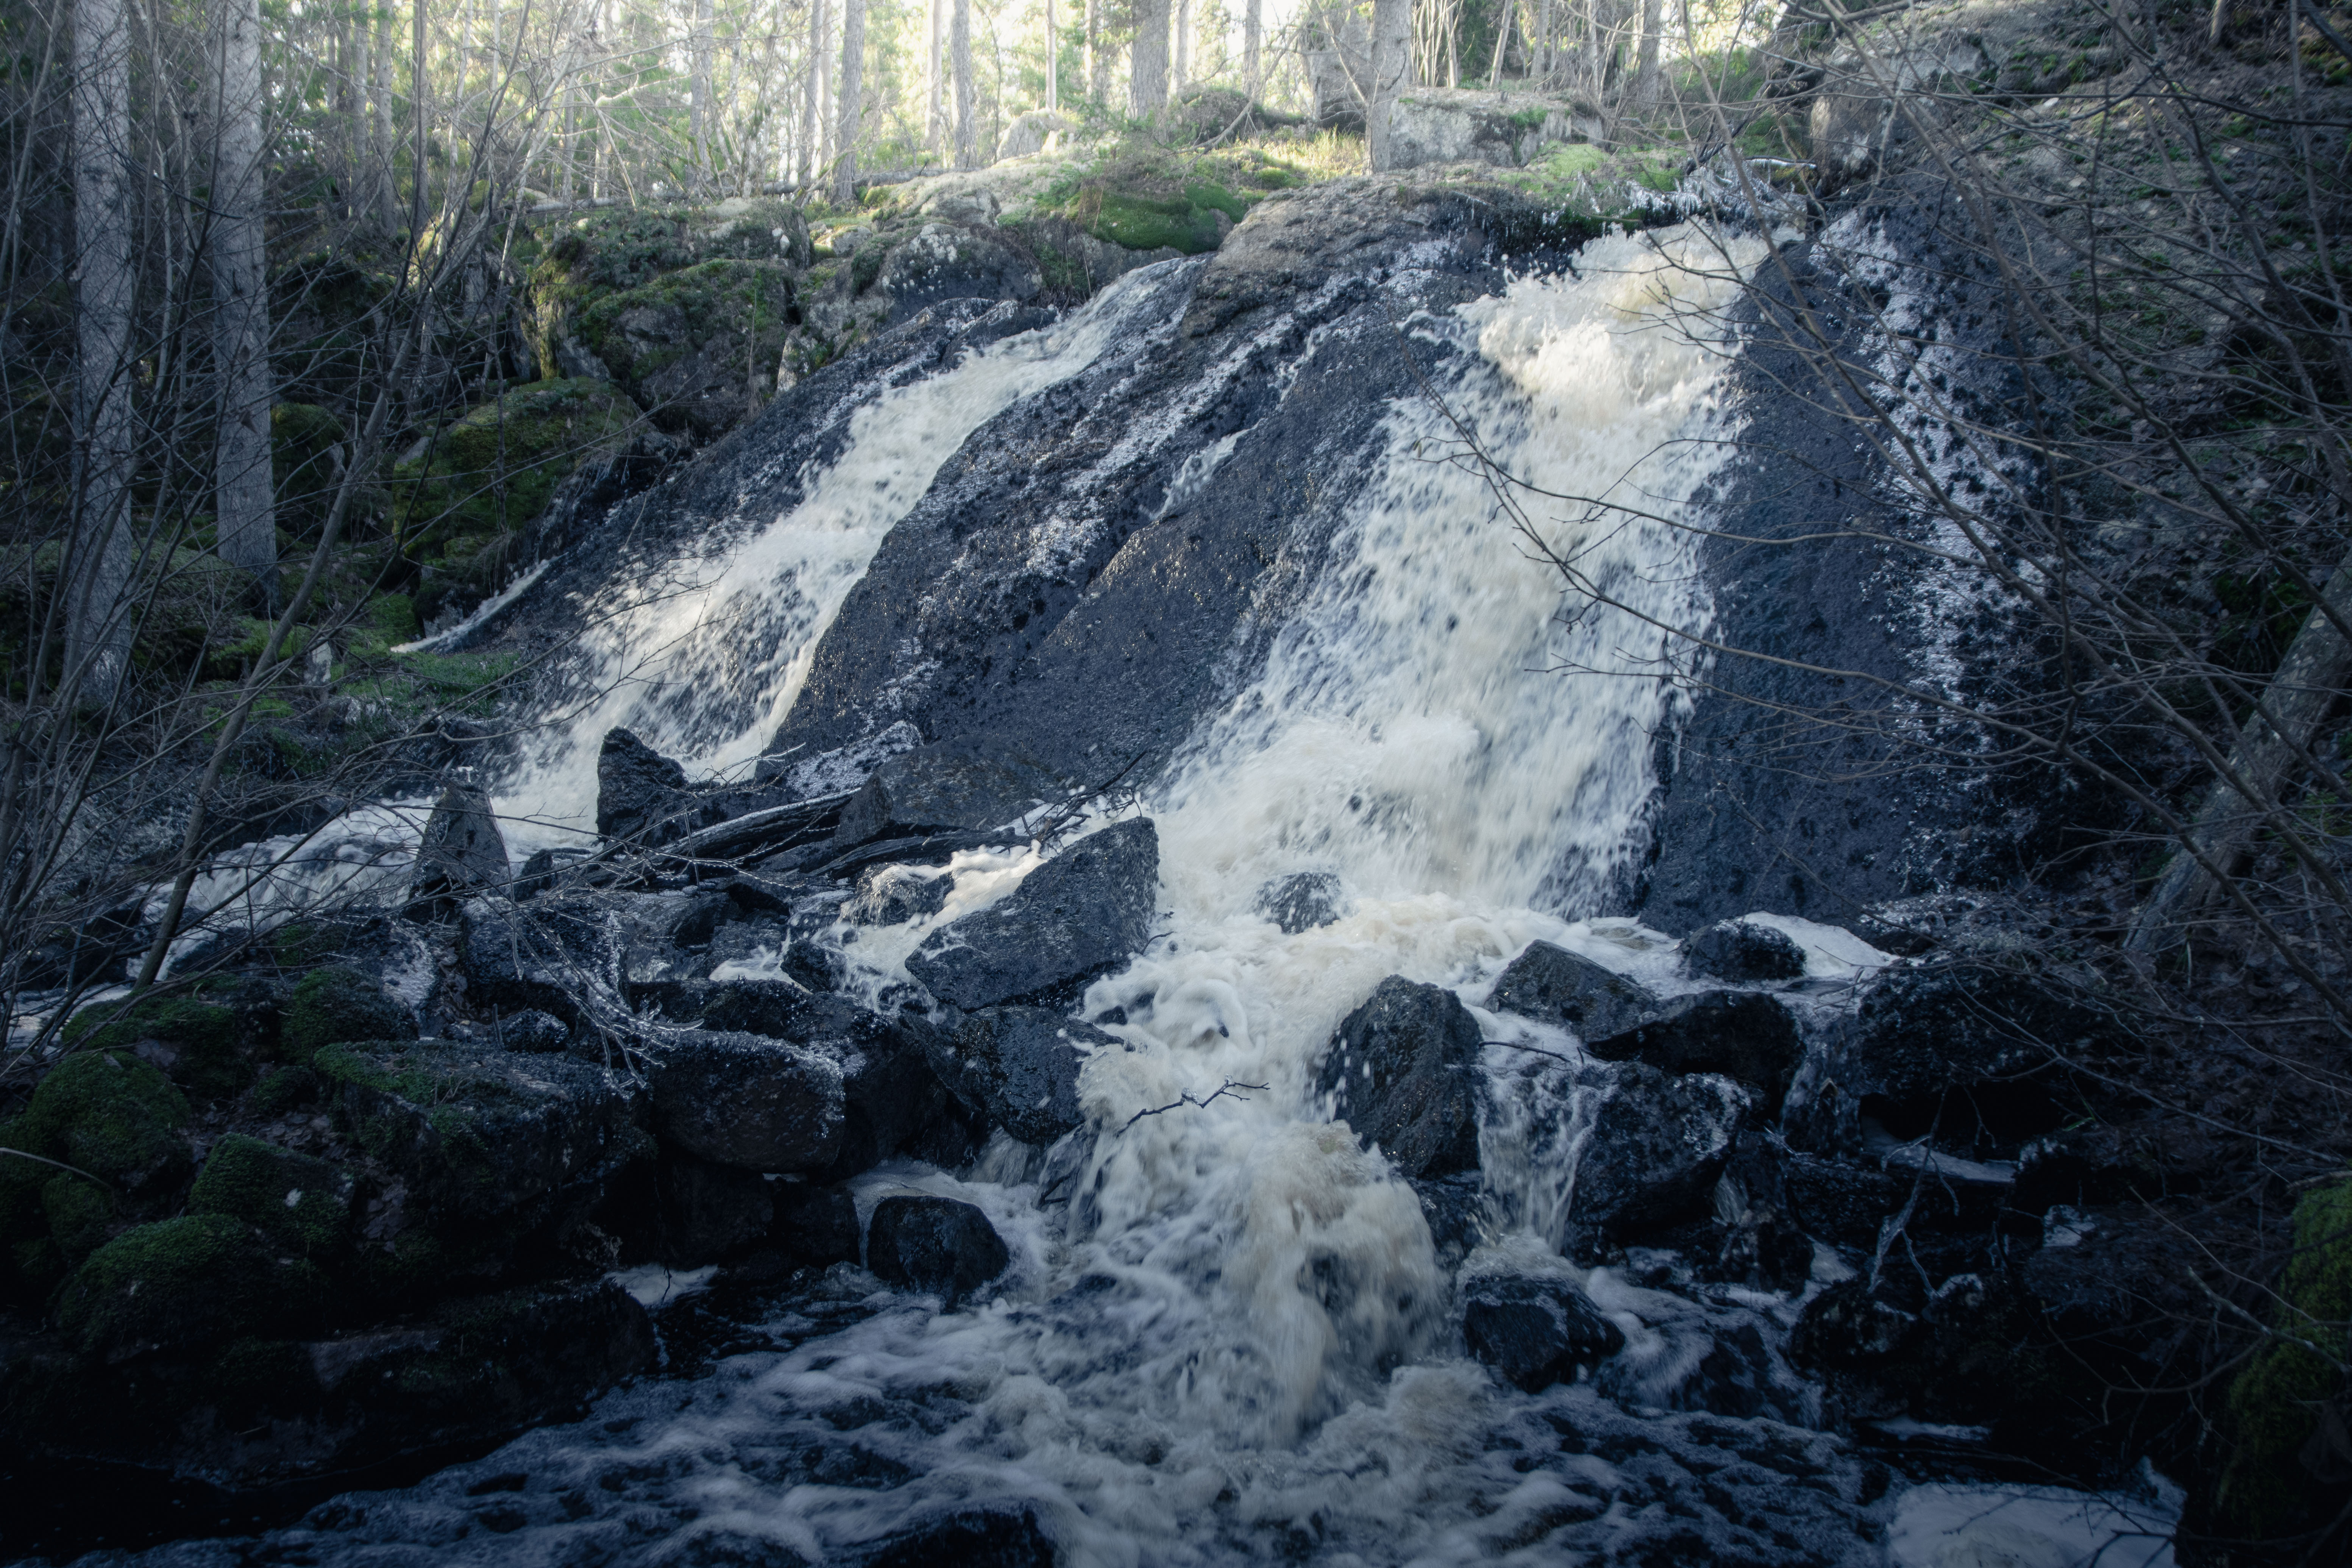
1226, 1346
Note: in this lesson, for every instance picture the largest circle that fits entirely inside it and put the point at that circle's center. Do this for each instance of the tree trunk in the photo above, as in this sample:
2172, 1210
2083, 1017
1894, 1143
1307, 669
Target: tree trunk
98, 632
246, 523
967, 125
1253, 30
1645, 79
1183, 71
699, 89
934, 121
1097, 56
853, 70
1147, 88
1392, 59
2317, 670
1053, 61
823, 67
804, 163
387, 203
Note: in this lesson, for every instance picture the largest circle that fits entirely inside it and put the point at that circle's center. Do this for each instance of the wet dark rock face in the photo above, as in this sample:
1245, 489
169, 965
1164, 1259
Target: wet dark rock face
1083, 910
1553, 985
1403, 1072
1019, 1067
1535, 1332
937, 1245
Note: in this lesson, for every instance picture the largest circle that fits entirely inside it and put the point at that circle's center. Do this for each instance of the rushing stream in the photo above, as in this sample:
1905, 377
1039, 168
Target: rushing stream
1224, 1336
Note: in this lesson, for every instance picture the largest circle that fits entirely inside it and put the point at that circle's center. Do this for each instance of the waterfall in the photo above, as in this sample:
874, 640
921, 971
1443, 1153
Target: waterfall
1241, 1305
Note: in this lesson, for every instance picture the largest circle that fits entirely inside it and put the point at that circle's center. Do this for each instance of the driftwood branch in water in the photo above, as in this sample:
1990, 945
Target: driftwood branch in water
1226, 1087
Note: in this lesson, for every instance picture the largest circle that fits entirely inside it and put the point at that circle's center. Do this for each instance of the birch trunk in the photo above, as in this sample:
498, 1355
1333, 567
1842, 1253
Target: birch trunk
967, 126
853, 70
98, 632
1147, 88
246, 521
1391, 61
934, 121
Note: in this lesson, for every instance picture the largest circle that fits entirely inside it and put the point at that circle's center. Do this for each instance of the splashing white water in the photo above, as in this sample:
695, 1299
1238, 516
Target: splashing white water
703, 659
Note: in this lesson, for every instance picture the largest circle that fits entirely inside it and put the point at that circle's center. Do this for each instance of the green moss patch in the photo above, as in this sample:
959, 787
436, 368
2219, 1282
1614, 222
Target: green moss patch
179, 1283
335, 1004
697, 335
112, 1115
1147, 198
492, 471
2275, 1403
204, 1045
301, 1203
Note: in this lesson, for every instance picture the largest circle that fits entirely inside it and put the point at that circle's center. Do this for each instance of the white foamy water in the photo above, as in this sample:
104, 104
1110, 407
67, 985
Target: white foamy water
702, 657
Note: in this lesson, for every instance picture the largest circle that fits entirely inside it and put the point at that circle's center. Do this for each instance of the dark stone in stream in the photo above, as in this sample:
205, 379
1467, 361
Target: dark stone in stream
515, 961
531, 1030
1656, 1146
893, 894
710, 1212
935, 1245
1535, 1330
748, 1101
642, 797
1018, 1067
1301, 902
461, 854
1741, 949
1403, 1072
1742, 1035
814, 1226
1451, 1204
1553, 985
976, 1538
1086, 909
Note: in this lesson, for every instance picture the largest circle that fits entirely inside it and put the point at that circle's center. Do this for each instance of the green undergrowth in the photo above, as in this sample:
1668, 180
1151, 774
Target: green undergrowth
2275, 1404
1148, 197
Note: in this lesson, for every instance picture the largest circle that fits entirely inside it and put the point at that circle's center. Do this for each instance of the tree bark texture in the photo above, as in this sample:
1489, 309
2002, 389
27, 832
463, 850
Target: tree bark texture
1147, 88
1053, 60
1391, 61
934, 119
246, 521
1252, 32
1645, 80
701, 90
1184, 67
967, 106
98, 630
1097, 56
853, 70
804, 163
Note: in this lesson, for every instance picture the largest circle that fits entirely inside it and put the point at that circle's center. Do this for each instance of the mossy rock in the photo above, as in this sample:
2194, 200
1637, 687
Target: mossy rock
21, 1181
205, 1047
305, 459
689, 345
113, 1116
284, 1087
2274, 1405
492, 471
303, 1205
496, 1149
79, 1212
335, 1004
179, 1284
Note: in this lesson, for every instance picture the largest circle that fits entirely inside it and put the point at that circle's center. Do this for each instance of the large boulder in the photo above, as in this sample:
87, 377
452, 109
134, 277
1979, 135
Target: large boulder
1535, 1329
1656, 1146
1087, 908
462, 853
497, 1152
300, 1204
1403, 1072
1743, 950
748, 1100
950, 261
1442, 125
1019, 1067
1553, 985
709, 1211
642, 797
937, 1245
183, 1283
1739, 1034
1977, 1054
334, 1003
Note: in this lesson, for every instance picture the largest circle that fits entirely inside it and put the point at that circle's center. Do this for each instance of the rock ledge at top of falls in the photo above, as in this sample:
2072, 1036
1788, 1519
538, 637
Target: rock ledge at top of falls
1086, 909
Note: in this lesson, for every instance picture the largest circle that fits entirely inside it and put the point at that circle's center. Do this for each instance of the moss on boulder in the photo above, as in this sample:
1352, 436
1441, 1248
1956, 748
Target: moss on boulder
497, 1152
461, 493
114, 1116
336, 1003
79, 1212
181, 1283
301, 1203
2274, 1405
698, 347
201, 1045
